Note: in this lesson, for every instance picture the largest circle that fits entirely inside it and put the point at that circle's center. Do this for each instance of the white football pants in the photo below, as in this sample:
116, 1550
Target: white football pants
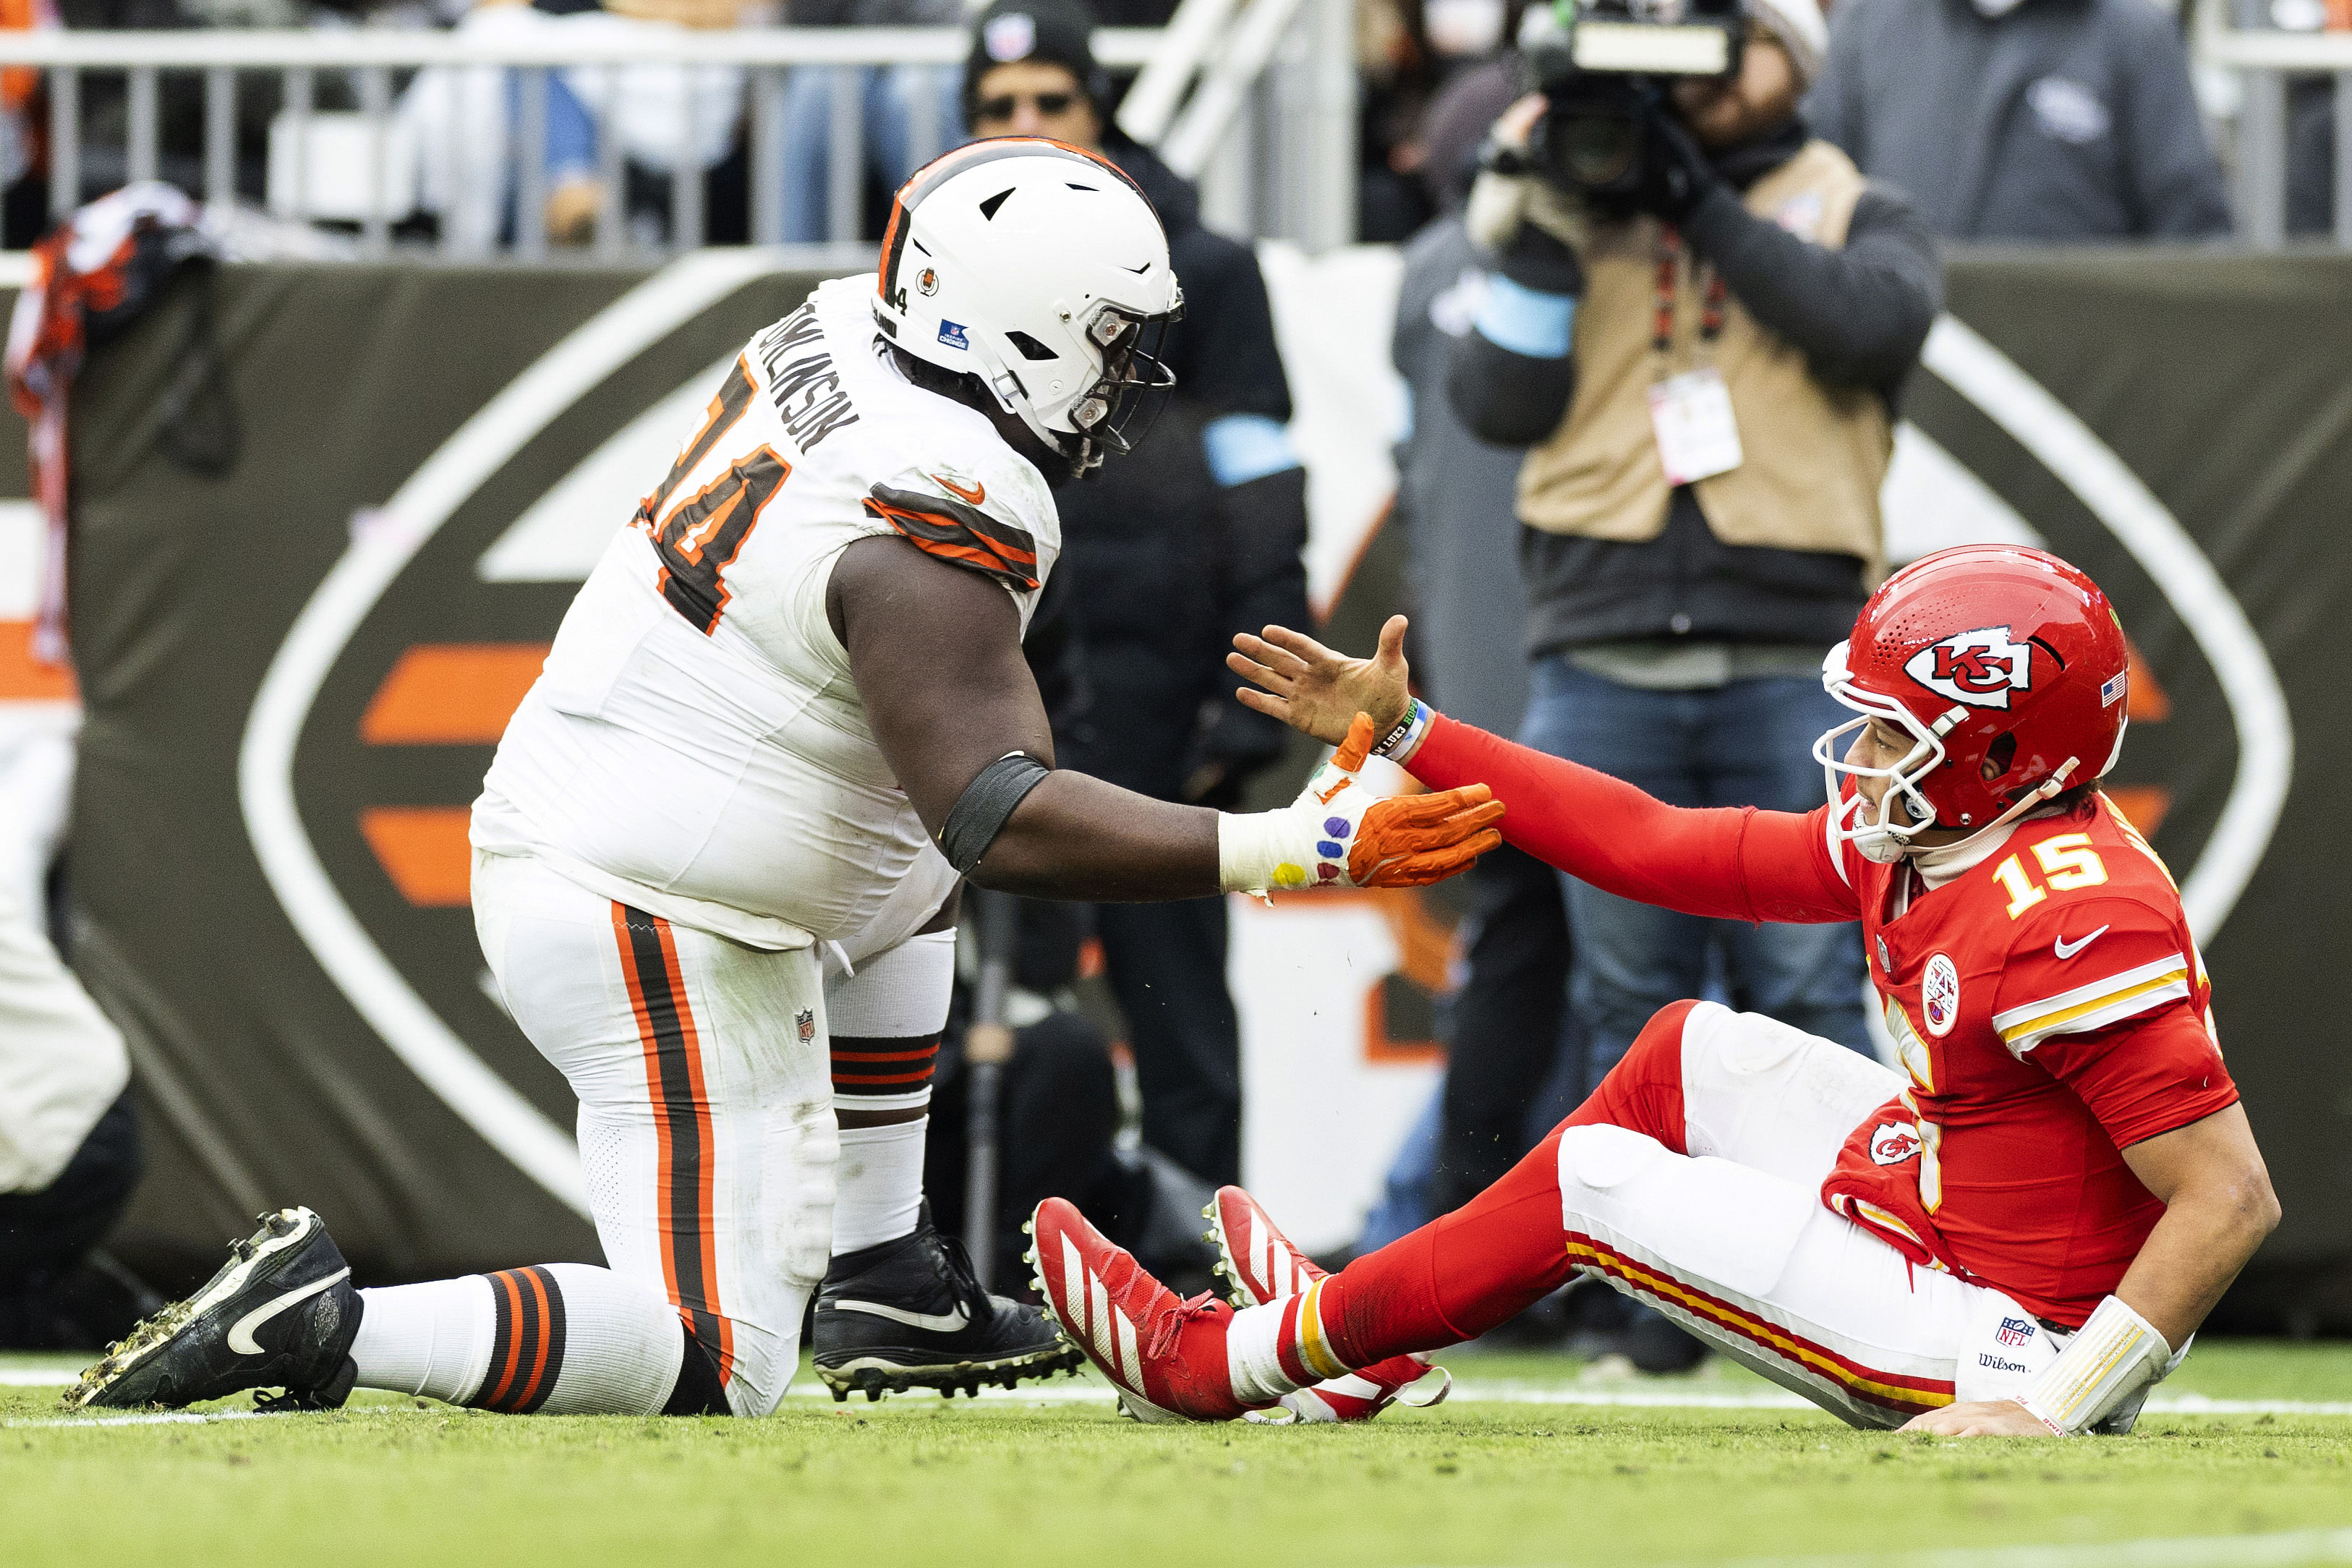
706, 1106
1732, 1242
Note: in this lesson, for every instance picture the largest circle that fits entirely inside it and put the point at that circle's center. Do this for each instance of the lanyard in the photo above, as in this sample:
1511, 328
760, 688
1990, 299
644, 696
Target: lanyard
1669, 270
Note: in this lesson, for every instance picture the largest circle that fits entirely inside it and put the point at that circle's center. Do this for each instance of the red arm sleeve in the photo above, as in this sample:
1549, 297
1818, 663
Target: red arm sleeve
1733, 864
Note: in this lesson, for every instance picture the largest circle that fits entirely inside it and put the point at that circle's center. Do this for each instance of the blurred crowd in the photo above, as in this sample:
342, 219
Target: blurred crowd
2011, 119
1773, 267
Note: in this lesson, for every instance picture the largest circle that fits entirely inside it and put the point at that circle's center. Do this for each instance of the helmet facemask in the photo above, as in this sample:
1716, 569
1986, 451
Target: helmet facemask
1113, 415
1879, 837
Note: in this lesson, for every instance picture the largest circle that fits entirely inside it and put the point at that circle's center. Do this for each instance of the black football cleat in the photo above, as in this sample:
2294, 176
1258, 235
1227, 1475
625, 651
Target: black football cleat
281, 1314
908, 1314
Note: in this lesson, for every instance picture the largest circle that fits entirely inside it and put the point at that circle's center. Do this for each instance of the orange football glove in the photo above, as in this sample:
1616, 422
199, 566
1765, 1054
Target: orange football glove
1339, 834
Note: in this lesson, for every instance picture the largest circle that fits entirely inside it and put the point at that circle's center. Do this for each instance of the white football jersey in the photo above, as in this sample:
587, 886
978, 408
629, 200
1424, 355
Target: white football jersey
695, 746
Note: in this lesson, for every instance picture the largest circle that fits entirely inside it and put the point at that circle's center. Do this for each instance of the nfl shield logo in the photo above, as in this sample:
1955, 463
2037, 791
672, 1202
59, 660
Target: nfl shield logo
2014, 1331
806, 1019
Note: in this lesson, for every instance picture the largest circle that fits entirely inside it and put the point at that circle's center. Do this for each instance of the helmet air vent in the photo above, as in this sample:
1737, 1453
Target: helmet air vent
1031, 349
988, 208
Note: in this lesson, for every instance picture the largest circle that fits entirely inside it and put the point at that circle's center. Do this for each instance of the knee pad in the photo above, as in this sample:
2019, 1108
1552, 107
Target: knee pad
1707, 1221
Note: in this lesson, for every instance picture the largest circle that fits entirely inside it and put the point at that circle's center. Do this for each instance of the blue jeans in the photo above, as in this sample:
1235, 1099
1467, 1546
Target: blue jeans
886, 95
1747, 743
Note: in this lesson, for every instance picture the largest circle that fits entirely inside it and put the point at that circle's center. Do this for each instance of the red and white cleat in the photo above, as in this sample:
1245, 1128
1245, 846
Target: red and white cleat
1262, 1265
1164, 1355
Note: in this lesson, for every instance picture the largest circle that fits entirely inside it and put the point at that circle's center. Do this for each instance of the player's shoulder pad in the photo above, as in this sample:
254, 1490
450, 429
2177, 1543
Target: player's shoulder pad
972, 519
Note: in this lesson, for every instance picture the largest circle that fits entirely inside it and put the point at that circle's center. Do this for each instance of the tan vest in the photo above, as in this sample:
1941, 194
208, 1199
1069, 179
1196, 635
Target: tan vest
1812, 456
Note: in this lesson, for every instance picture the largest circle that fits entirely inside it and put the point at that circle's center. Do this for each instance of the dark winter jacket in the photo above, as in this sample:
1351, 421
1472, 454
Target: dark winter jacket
2060, 120
1193, 536
1859, 314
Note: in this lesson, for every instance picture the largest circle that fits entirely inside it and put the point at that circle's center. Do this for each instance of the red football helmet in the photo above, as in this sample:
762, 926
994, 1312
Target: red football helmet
2005, 665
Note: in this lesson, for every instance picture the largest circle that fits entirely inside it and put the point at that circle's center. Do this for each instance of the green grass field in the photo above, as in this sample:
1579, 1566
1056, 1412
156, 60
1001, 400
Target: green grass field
1492, 1477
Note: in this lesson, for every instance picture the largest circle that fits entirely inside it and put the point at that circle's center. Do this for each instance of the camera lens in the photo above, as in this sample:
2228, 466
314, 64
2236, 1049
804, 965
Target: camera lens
1598, 150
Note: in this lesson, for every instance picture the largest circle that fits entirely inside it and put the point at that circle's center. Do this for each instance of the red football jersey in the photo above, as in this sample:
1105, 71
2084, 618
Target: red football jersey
2050, 1008
2049, 1005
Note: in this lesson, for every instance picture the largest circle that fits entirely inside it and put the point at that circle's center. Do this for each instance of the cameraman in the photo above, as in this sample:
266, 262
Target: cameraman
1703, 356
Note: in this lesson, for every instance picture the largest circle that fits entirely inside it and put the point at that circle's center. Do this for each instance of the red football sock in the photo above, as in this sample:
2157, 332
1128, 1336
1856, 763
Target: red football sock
1489, 1261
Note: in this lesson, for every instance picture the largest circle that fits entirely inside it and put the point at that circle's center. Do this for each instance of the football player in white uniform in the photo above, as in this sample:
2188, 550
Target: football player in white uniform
718, 854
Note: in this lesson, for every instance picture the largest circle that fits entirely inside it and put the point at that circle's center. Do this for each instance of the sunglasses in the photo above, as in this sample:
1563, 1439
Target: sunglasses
1004, 107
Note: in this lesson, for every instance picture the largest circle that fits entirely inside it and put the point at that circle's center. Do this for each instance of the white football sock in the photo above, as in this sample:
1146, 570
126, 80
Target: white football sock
878, 1184
576, 1340
623, 1344
1253, 1357
432, 1340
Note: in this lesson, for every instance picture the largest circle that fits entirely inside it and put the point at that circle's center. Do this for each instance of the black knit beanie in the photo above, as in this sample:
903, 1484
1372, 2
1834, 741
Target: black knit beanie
1051, 32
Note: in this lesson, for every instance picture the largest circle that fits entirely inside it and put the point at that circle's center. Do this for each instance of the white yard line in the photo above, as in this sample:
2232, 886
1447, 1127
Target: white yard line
1076, 1392
2281, 1547
146, 1418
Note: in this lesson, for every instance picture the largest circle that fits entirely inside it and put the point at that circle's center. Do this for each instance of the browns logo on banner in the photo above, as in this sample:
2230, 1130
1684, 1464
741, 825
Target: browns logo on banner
295, 674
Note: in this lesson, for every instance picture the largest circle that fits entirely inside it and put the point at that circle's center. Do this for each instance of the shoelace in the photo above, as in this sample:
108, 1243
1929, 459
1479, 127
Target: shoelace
1169, 1321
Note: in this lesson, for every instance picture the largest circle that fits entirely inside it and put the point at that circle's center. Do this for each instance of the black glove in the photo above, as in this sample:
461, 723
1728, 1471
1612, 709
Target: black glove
1540, 260
1676, 175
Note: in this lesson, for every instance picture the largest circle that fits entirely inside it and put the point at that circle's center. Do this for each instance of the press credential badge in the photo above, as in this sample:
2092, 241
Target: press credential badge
1697, 438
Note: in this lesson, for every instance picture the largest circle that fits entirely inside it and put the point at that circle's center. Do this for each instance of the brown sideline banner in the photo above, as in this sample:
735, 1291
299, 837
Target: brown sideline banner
295, 673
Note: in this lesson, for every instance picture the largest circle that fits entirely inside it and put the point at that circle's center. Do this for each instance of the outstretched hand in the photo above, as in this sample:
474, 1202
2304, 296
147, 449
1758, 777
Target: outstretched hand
1318, 692
1407, 840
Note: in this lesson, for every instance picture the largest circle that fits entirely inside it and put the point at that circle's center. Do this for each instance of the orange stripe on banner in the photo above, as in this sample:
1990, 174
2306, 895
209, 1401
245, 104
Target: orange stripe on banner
504, 1283
707, 1237
23, 678
423, 849
1889, 1390
451, 694
2143, 805
529, 1390
663, 1158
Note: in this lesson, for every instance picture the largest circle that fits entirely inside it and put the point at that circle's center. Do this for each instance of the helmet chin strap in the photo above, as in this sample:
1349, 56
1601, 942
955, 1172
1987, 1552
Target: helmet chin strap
1881, 846
2049, 789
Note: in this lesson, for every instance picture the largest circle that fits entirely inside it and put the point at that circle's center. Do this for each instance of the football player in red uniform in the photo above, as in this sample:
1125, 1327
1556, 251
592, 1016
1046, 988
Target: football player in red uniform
2018, 1233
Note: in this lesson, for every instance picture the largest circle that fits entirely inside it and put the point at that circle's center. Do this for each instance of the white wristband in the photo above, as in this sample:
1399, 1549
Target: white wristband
2111, 1358
1253, 851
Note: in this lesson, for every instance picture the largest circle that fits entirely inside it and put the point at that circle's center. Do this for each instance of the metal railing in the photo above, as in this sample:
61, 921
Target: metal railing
2265, 62
371, 64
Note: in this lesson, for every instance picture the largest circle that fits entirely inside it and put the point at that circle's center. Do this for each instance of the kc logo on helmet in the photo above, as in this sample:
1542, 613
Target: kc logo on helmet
1979, 667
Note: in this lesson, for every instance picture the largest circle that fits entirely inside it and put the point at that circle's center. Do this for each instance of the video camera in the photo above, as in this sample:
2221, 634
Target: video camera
1607, 69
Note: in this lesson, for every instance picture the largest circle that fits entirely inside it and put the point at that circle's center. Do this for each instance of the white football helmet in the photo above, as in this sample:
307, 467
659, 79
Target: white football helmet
1035, 266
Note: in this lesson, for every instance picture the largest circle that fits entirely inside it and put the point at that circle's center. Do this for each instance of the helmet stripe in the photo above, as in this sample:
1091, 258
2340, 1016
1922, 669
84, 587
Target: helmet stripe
972, 156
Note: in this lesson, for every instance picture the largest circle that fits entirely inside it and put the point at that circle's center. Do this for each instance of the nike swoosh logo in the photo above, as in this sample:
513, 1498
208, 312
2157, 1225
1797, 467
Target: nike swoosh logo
1329, 796
977, 494
937, 1324
2069, 949
240, 1337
